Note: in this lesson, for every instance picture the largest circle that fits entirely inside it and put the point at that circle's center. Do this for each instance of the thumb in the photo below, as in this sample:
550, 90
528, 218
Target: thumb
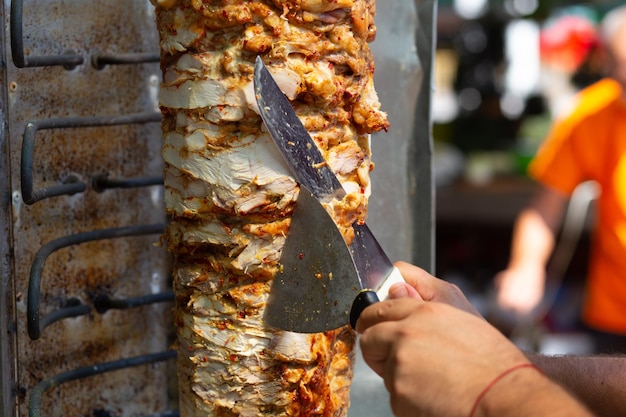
403, 290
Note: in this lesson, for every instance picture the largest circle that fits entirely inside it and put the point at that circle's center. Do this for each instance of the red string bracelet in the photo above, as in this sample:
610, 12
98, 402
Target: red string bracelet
495, 380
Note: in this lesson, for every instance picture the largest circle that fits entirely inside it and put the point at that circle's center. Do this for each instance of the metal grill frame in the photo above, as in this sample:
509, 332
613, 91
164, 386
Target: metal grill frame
101, 303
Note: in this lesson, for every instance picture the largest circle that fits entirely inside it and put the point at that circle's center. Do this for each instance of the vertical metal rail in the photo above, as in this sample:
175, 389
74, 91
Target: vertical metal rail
421, 149
7, 296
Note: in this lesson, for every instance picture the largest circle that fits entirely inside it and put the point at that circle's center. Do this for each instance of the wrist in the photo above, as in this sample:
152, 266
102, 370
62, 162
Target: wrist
503, 392
527, 391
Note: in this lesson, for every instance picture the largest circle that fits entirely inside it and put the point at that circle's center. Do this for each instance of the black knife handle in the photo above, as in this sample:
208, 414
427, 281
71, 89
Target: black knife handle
363, 300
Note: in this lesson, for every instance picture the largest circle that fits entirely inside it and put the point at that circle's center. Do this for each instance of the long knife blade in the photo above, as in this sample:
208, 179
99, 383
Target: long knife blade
374, 269
327, 283
294, 142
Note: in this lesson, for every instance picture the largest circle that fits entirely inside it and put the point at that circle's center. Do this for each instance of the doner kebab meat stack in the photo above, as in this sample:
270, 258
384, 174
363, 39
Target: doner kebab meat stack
229, 196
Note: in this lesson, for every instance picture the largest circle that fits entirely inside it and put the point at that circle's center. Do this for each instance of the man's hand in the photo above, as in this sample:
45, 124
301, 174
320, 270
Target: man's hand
435, 359
520, 290
438, 356
423, 286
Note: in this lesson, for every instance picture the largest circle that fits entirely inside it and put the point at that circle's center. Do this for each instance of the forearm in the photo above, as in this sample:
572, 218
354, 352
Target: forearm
536, 226
533, 240
596, 381
528, 392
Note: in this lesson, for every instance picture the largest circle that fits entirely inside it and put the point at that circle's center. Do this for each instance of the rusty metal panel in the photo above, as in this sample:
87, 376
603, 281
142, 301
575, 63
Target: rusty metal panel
79, 96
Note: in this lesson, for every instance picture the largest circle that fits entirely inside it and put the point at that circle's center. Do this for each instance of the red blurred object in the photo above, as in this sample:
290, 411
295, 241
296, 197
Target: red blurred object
566, 42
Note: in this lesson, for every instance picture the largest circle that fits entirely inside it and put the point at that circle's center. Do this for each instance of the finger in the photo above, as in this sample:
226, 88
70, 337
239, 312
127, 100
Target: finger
376, 343
403, 290
409, 272
389, 310
431, 288
424, 283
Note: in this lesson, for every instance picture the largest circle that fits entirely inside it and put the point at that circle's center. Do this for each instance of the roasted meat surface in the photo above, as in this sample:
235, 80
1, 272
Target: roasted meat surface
229, 196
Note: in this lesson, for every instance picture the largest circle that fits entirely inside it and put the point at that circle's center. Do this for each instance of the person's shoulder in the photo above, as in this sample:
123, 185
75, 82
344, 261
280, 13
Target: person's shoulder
593, 100
599, 94
603, 87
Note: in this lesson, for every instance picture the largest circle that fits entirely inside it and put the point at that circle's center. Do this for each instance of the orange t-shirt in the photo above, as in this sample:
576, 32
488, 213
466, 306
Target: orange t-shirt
590, 144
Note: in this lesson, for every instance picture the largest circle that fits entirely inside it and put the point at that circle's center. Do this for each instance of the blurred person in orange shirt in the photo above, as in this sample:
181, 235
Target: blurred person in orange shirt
588, 144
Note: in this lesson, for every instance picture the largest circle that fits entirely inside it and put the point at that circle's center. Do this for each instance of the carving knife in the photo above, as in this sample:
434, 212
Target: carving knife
324, 284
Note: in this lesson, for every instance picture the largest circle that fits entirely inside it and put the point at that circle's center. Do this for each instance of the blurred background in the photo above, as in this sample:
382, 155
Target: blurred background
503, 70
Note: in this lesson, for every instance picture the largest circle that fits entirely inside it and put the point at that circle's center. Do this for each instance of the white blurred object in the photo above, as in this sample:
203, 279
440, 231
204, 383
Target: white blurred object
521, 38
445, 105
470, 9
